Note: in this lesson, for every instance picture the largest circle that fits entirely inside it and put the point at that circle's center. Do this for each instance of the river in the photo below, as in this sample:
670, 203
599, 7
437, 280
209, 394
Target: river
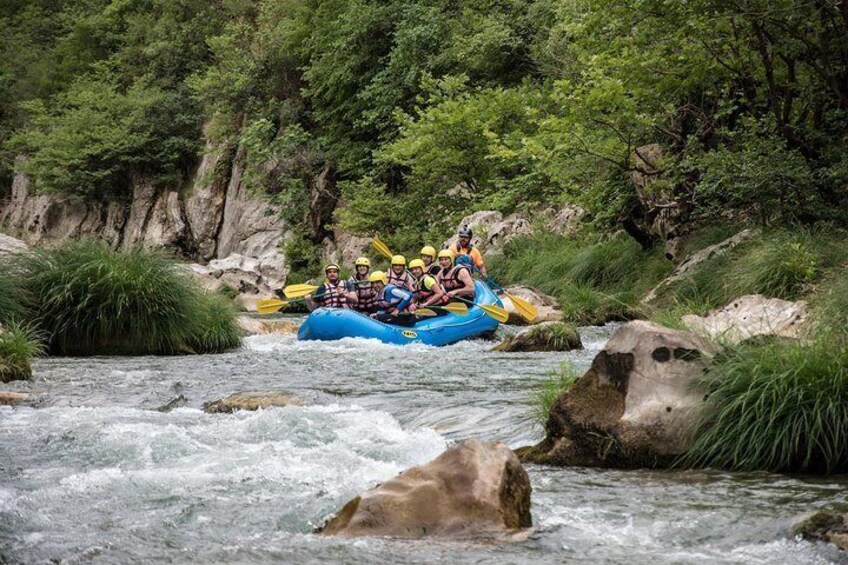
94, 474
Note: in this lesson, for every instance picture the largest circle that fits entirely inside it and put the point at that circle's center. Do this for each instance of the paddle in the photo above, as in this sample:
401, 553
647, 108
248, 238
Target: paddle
270, 305
381, 247
524, 308
492, 310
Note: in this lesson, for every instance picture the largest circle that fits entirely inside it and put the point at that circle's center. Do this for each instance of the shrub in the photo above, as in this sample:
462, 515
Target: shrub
779, 266
595, 282
18, 345
776, 406
89, 299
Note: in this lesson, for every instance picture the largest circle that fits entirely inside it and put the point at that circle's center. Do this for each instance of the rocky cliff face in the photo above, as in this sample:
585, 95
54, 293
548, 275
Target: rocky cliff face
214, 218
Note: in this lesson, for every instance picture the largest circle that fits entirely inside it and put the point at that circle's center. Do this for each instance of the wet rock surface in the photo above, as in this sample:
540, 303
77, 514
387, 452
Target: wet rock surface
635, 407
251, 401
473, 489
823, 525
9, 398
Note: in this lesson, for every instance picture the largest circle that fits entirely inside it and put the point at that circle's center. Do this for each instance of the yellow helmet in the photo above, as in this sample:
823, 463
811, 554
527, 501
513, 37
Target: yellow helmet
445, 253
378, 276
399, 260
331, 266
417, 263
427, 250
362, 261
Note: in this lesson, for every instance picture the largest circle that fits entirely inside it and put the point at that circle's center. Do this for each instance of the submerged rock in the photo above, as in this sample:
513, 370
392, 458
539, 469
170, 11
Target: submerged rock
473, 488
547, 336
635, 407
255, 326
547, 306
824, 525
750, 316
8, 398
251, 401
173, 404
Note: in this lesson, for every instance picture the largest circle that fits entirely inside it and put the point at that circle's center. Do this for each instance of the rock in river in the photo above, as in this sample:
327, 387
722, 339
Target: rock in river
251, 401
824, 525
635, 407
547, 336
474, 488
547, 306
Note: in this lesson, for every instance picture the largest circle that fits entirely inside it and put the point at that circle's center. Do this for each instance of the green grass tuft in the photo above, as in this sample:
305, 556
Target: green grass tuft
12, 296
780, 266
89, 299
777, 406
18, 345
215, 327
549, 390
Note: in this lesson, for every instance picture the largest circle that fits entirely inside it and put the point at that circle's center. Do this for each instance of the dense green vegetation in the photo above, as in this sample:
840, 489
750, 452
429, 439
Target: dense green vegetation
85, 298
594, 281
426, 109
549, 390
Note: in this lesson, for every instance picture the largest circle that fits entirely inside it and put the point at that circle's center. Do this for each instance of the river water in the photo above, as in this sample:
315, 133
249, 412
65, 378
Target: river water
95, 474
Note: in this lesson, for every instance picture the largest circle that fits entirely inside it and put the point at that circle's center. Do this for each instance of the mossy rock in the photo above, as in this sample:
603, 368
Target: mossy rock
547, 336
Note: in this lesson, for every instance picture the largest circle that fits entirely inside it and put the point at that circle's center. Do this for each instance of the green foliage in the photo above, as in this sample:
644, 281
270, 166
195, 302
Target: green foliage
95, 137
19, 343
560, 336
87, 299
777, 406
594, 282
549, 390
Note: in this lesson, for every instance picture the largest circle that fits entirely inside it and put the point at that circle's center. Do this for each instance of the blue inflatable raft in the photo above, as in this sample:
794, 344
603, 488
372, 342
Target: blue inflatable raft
330, 324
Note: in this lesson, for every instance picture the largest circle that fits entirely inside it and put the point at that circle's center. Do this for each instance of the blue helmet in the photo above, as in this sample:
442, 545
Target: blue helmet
464, 260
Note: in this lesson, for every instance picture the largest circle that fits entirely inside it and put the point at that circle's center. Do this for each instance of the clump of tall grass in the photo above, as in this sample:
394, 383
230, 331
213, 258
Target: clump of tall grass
776, 406
12, 302
594, 281
215, 325
780, 265
90, 299
19, 343
549, 390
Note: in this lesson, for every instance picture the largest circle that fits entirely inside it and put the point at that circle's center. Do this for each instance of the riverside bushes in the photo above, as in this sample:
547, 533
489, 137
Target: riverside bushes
779, 407
89, 299
594, 282
18, 345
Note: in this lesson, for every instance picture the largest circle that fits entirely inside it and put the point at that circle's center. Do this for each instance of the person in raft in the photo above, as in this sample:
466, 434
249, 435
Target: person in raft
399, 276
334, 293
464, 247
428, 256
394, 304
456, 278
365, 300
430, 292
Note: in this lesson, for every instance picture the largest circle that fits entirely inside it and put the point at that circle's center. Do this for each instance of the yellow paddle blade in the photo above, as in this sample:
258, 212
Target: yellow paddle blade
524, 308
492, 310
299, 290
455, 308
381, 247
495, 312
270, 305
425, 312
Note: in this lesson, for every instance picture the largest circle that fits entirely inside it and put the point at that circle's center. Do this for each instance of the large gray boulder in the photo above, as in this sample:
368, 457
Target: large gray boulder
251, 278
10, 245
750, 316
472, 489
636, 406
823, 525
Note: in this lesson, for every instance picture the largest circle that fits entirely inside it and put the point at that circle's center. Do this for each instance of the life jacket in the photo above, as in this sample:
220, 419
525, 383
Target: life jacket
335, 295
423, 294
365, 299
450, 278
433, 270
403, 281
